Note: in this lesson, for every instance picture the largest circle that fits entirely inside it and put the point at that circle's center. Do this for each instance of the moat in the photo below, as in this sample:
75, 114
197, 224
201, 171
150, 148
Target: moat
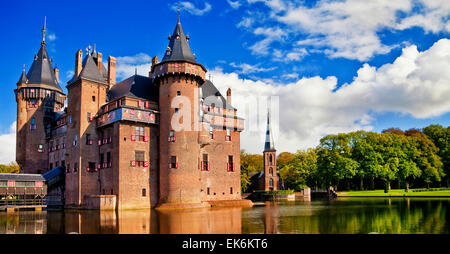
343, 215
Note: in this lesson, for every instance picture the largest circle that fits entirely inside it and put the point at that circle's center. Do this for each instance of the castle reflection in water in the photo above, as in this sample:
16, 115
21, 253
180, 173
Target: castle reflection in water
194, 221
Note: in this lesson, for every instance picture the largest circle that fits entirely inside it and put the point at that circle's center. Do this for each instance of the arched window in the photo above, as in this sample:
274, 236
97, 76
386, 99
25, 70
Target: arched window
270, 182
271, 171
270, 159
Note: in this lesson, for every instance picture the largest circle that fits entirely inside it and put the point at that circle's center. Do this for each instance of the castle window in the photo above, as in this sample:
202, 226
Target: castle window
40, 148
270, 159
91, 167
271, 171
231, 190
102, 160
68, 168
211, 132
51, 166
172, 136
140, 158
108, 159
89, 140
228, 136
75, 140
93, 98
173, 162
208, 191
205, 165
230, 164
89, 117
33, 124
176, 110
75, 167
178, 93
270, 182
139, 134
57, 164
144, 192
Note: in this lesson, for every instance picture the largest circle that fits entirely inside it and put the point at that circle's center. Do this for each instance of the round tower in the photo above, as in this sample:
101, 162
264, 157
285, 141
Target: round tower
179, 76
38, 96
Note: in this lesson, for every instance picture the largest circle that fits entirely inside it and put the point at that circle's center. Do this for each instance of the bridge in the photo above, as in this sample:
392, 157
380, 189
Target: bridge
32, 191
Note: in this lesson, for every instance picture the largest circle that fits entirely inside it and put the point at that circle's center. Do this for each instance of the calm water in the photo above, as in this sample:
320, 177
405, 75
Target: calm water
355, 215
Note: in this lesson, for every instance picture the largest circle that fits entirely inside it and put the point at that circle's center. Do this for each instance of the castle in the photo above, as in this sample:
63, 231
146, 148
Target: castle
120, 144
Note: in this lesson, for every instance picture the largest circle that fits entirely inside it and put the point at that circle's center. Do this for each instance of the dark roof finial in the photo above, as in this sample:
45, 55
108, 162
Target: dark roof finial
43, 30
269, 144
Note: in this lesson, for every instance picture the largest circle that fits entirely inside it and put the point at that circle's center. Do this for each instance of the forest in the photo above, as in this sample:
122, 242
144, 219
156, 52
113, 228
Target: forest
362, 160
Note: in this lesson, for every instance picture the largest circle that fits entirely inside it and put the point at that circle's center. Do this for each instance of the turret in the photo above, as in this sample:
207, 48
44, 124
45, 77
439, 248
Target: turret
271, 178
38, 96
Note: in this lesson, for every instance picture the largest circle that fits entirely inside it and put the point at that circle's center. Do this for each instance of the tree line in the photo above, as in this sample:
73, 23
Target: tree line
363, 160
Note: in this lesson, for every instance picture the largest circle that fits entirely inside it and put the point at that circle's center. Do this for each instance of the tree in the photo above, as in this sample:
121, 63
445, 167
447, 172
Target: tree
12, 167
284, 158
441, 139
296, 172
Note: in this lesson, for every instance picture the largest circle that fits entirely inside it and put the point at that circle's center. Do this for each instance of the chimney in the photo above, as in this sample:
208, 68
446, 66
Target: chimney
56, 70
78, 62
229, 96
154, 62
99, 62
111, 71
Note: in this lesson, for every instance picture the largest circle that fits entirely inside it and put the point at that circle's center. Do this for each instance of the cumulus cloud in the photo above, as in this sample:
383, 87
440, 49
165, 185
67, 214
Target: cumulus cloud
235, 5
349, 28
416, 83
8, 147
129, 65
191, 8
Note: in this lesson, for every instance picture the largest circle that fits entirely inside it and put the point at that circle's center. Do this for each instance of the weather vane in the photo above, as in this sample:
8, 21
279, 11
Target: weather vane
43, 29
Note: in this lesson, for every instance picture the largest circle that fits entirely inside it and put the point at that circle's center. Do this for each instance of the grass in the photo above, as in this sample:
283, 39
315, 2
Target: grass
394, 193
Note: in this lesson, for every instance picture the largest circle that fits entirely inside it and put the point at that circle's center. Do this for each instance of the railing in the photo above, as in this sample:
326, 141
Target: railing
22, 202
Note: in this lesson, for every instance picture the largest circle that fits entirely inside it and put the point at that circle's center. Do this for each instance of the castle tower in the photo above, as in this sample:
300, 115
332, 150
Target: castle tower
270, 160
179, 76
38, 96
86, 94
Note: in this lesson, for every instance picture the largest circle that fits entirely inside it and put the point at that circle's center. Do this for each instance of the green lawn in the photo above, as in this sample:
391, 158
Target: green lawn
394, 193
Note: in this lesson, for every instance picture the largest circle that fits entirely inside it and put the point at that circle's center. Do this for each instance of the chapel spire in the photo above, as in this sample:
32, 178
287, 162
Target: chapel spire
269, 145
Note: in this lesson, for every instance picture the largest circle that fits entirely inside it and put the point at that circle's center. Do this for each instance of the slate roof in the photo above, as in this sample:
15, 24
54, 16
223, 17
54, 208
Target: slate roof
214, 96
90, 70
23, 78
178, 49
41, 71
136, 86
269, 144
22, 177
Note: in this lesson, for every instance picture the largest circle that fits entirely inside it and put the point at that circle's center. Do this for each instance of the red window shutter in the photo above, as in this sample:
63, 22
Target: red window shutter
176, 164
109, 164
110, 139
133, 137
209, 165
213, 135
233, 167
231, 138
99, 142
146, 164
228, 167
201, 165
87, 169
146, 138
146, 104
169, 139
170, 165
11, 183
174, 138
133, 163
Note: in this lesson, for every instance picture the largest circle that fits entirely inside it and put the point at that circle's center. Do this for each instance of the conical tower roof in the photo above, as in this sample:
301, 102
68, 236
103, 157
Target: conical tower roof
23, 78
269, 145
41, 71
178, 49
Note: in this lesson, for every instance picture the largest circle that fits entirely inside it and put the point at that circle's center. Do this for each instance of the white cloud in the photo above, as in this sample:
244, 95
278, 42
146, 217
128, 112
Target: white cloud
8, 147
416, 83
129, 65
51, 37
235, 5
348, 28
245, 68
191, 8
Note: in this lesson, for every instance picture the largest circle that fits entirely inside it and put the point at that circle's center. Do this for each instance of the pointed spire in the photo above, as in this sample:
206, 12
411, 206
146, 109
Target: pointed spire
178, 49
23, 78
269, 145
43, 30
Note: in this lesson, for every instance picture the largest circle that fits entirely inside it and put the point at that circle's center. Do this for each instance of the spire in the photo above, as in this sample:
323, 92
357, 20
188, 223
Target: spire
23, 78
43, 30
41, 71
178, 49
269, 145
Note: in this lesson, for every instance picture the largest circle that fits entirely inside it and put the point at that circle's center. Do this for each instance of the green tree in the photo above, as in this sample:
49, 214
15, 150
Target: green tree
441, 139
12, 167
296, 172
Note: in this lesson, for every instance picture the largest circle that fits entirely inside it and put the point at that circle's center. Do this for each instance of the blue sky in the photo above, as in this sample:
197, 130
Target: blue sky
303, 52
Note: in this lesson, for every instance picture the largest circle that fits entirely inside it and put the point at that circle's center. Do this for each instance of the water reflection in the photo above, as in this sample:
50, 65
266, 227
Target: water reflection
355, 215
